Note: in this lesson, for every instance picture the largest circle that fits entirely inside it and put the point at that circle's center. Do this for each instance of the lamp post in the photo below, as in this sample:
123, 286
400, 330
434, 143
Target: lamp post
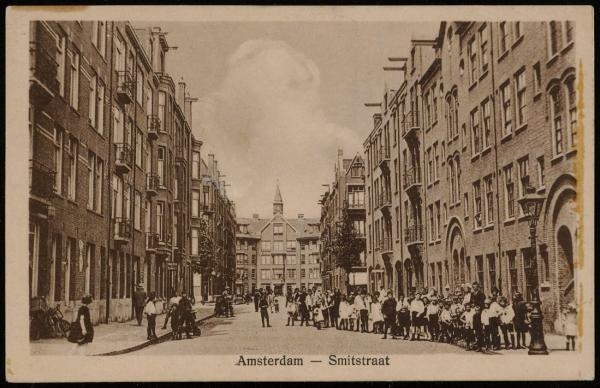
532, 203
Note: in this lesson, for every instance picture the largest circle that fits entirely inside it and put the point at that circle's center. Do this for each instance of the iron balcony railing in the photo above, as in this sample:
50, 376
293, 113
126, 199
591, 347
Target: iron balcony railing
152, 183
153, 127
412, 177
122, 228
151, 241
413, 234
386, 244
123, 157
124, 87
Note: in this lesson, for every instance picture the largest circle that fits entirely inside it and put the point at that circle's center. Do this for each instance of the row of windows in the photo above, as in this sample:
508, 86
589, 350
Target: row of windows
288, 260
277, 274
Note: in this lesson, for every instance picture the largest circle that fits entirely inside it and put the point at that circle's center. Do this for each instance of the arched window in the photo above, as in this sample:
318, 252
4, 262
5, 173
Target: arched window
452, 180
572, 109
556, 119
457, 168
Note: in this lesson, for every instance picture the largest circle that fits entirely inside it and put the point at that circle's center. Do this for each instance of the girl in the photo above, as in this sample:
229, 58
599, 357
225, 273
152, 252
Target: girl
417, 309
507, 315
344, 313
318, 316
290, 306
570, 325
520, 319
87, 330
377, 316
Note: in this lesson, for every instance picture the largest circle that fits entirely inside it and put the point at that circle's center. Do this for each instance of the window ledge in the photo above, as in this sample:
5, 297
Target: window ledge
72, 201
95, 213
475, 157
486, 151
509, 221
552, 59
567, 47
473, 84
517, 42
571, 152
556, 159
506, 137
537, 96
488, 227
437, 180
502, 56
541, 189
434, 123
477, 230
521, 128
482, 76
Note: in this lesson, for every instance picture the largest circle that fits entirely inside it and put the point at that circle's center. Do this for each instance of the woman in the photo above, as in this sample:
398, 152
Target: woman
290, 306
87, 330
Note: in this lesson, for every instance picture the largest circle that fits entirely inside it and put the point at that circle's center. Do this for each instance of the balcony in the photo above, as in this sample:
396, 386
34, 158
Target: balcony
208, 208
122, 230
180, 155
411, 129
413, 236
385, 202
43, 85
412, 181
383, 158
153, 127
386, 246
123, 158
124, 87
151, 242
152, 182
354, 206
41, 181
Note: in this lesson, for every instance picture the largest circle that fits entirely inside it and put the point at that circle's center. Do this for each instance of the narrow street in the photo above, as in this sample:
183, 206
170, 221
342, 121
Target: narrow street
244, 334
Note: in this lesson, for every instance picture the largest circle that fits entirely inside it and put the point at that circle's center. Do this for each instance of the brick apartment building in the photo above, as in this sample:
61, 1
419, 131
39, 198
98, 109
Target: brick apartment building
110, 146
346, 193
484, 110
278, 253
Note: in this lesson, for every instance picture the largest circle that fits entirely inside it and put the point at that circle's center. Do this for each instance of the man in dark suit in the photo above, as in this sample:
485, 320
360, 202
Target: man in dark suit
478, 299
139, 301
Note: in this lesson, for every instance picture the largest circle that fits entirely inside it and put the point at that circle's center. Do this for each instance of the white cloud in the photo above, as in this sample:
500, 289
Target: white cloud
265, 123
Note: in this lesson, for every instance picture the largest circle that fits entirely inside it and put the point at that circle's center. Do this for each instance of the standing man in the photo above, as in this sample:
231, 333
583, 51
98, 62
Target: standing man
150, 311
256, 299
360, 303
478, 300
264, 309
139, 300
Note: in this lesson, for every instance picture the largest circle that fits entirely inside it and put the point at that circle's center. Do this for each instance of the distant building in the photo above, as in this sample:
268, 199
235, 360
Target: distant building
277, 253
346, 193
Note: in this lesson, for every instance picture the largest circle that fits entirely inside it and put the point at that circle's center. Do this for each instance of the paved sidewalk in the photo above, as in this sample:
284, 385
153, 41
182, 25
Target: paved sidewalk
113, 337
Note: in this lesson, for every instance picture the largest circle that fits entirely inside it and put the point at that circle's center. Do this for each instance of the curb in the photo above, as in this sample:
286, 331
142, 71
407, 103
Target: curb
162, 338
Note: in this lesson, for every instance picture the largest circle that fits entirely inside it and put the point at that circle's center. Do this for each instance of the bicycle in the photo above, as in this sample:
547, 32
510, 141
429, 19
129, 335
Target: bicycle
46, 322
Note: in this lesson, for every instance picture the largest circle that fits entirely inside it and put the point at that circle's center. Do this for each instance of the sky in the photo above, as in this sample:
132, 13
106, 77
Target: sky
277, 100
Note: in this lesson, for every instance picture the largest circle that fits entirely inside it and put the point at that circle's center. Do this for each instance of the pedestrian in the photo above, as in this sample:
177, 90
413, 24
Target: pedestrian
256, 299
186, 320
318, 316
377, 316
360, 304
466, 294
309, 302
87, 329
139, 299
468, 331
334, 312
343, 313
172, 306
485, 323
520, 319
404, 321
264, 310
507, 315
270, 299
417, 310
478, 329
570, 325
388, 309
276, 303
290, 306
433, 311
494, 316
303, 308
446, 322
455, 313
150, 311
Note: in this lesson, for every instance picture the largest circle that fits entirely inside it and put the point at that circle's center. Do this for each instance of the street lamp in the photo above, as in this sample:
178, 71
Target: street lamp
532, 203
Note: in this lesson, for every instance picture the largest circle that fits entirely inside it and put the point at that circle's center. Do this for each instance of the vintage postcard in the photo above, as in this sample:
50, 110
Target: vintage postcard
299, 193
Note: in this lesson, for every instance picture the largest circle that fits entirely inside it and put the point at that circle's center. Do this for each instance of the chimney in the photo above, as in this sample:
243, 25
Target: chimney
340, 159
255, 216
211, 165
300, 215
216, 170
180, 98
188, 109
376, 120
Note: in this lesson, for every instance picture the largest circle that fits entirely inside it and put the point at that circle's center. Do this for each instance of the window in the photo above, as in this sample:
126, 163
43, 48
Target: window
303, 273
291, 260
445, 213
477, 204
483, 42
436, 164
572, 106
196, 165
195, 203
517, 30
541, 172
491, 259
139, 86
466, 205
74, 80
568, 31
120, 53
553, 38
100, 107
523, 178
503, 37
513, 272
278, 229
427, 100
537, 79
265, 274
278, 246
506, 109
487, 123
137, 210
475, 132
89, 268
161, 165
57, 159
139, 147
430, 225
72, 168
434, 102
429, 167
278, 273
528, 268
479, 268
521, 103
489, 199
265, 245
92, 100
473, 65
99, 36
555, 114
61, 60
291, 273
160, 230
509, 192
437, 220
161, 110
291, 245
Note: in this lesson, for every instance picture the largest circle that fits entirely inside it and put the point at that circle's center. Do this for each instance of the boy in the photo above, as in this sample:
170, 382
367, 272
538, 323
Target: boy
478, 329
570, 325
494, 316
506, 322
485, 323
404, 321
467, 320
446, 323
433, 311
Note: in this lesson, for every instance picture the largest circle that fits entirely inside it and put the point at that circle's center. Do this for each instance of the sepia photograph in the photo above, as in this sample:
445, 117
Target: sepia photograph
311, 193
